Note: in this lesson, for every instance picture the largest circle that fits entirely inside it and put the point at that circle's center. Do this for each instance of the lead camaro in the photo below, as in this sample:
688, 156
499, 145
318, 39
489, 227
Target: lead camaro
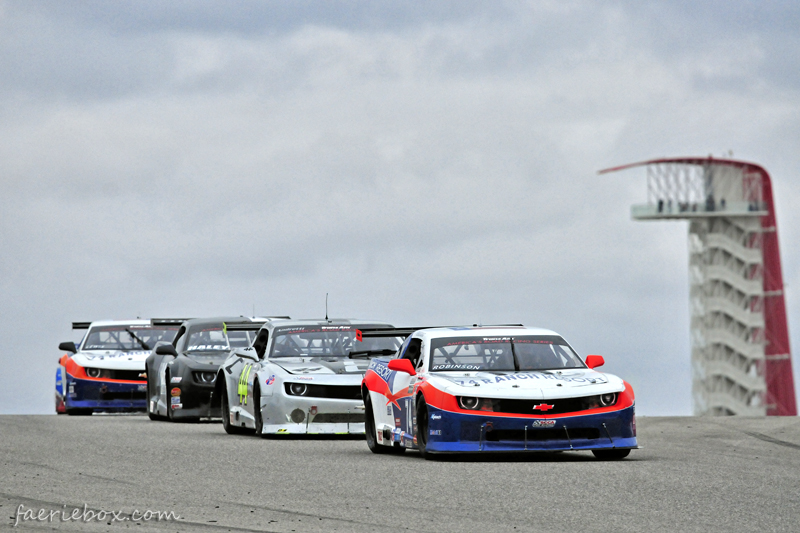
299, 376
495, 389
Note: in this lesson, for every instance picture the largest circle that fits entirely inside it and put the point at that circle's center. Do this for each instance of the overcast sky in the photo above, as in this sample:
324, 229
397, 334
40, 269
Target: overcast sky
424, 163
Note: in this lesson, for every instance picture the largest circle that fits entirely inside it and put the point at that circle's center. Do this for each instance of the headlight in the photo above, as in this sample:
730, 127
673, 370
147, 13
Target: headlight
297, 389
608, 399
469, 402
205, 377
93, 372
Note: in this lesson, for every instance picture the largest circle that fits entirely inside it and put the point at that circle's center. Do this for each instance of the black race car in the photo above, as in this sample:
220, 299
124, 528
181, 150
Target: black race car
181, 375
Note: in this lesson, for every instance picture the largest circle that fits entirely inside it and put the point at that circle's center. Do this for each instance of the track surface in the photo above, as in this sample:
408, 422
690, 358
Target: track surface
721, 474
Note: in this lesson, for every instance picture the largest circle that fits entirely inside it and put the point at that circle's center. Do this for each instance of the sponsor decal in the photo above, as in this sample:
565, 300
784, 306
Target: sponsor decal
143, 375
379, 436
313, 410
305, 378
176, 379
543, 407
456, 367
389, 409
436, 417
243, 380
233, 418
176, 400
141, 388
397, 422
175, 392
177, 406
543, 423
283, 430
436, 432
382, 370
270, 380
152, 406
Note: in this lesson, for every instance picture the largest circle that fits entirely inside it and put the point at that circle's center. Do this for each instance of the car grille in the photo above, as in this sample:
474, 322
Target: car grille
340, 392
129, 395
129, 375
339, 418
473, 433
566, 405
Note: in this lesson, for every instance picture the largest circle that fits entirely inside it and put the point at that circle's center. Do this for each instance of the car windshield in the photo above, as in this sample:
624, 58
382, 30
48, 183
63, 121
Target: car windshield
127, 337
216, 338
502, 354
328, 341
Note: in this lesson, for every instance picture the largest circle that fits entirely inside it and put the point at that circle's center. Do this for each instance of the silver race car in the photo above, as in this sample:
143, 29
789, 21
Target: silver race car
299, 376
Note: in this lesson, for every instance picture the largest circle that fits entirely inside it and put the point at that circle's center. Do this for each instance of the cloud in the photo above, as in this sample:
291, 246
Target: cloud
428, 166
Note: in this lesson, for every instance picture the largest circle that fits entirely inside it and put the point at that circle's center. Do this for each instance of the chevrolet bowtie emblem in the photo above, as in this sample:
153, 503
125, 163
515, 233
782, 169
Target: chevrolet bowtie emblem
543, 407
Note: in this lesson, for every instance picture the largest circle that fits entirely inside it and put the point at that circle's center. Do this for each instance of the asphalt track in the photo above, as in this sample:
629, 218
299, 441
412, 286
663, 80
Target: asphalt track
709, 474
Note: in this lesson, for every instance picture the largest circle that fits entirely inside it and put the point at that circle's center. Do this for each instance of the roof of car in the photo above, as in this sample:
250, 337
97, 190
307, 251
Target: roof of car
329, 322
208, 321
483, 331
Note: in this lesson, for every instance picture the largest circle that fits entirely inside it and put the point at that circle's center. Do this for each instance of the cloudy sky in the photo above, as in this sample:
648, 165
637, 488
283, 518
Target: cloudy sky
423, 163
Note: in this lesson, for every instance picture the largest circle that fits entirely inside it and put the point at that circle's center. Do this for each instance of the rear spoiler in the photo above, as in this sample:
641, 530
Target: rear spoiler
81, 325
168, 321
405, 332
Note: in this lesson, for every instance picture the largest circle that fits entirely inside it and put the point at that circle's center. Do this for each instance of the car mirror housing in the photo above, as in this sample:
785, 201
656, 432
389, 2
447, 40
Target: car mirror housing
166, 349
593, 361
68, 346
402, 365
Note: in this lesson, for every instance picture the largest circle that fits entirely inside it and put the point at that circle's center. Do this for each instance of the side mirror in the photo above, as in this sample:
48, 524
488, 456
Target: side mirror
593, 361
166, 349
402, 365
68, 347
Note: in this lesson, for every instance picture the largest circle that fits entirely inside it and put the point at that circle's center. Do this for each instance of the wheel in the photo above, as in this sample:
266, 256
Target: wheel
79, 412
422, 429
611, 455
152, 415
259, 421
169, 397
372, 434
230, 429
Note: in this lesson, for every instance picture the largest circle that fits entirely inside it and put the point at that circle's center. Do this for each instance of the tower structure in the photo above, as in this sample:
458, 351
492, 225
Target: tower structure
741, 362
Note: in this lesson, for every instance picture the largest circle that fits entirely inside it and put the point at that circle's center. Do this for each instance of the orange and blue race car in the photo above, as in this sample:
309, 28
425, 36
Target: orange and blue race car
105, 372
494, 389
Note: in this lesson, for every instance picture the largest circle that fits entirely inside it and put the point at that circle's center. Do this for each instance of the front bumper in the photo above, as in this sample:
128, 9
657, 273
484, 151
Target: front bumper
284, 414
105, 395
461, 433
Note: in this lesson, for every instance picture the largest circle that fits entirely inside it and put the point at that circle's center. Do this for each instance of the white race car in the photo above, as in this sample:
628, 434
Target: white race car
299, 376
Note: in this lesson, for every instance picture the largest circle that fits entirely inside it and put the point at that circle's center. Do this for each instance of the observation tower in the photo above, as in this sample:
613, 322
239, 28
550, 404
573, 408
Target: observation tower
741, 362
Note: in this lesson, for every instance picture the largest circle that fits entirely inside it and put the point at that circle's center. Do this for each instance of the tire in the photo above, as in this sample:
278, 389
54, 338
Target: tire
169, 416
422, 429
230, 429
372, 434
79, 412
153, 416
259, 421
613, 454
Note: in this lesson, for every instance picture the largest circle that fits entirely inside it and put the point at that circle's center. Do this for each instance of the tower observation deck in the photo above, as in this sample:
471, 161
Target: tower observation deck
741, 362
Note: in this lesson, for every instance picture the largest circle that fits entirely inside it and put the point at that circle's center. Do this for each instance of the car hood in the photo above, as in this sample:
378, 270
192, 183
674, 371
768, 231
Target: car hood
117, 360
321, 365
551, 384
203, 360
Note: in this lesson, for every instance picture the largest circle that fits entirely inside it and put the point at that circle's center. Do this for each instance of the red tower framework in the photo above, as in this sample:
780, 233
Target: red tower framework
740, 340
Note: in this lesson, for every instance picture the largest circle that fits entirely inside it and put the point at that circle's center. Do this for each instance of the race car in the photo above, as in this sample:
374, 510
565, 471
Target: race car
300, 376
105, 372
495, 389
181, 375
